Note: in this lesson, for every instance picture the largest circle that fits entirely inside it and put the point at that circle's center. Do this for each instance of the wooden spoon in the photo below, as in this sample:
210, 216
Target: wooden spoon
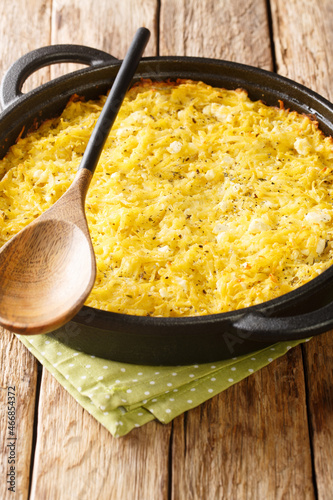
48, 269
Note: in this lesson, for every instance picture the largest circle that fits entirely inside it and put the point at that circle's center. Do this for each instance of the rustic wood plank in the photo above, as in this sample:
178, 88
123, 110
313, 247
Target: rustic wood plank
303, 36
319, 370
20, 32
108, 26
18, 366
75, 456
234, 31
18, 370
305, 28
78, 458
251, 441
225, 436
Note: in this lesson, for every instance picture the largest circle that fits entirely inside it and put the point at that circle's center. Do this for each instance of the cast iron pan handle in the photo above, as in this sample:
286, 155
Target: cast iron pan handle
12, 83
258, 327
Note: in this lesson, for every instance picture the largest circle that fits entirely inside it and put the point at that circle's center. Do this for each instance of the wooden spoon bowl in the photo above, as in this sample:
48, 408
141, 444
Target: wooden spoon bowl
46, 283
48, 269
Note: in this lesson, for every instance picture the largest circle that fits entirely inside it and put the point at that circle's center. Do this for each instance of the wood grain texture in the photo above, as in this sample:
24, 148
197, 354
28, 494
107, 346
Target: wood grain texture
235, 31
108, 26
249, 442
303, 35
19, 34
319, 371
305, 28
22, 28
252, 441
18, 369
76, 458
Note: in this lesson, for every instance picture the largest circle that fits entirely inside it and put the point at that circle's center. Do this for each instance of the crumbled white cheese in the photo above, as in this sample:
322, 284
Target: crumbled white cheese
317, 217
220, 228
139, 116
125, 130
321, 246
164, 249
174, 147
236, 187
227, 160
42, 177
219, 111
37, 173
182, 282
257, 225
48, 197
302, 146
210, 174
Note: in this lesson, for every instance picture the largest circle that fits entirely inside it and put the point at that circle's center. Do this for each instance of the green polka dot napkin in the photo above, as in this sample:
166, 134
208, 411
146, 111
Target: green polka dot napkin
123, 396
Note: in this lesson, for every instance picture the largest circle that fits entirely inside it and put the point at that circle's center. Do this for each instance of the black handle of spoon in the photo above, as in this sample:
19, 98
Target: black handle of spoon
115, 99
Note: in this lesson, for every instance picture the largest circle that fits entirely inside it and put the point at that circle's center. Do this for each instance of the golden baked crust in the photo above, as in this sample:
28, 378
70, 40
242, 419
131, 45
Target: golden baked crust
203, 201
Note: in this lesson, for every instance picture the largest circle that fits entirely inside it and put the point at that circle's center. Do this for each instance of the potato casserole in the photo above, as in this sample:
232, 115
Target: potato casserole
203, 201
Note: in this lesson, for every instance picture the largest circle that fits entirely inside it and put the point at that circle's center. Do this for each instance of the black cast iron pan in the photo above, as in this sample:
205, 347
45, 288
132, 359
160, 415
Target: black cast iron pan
304, 312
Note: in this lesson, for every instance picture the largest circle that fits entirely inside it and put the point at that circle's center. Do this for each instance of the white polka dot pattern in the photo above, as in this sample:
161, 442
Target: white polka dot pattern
123, 396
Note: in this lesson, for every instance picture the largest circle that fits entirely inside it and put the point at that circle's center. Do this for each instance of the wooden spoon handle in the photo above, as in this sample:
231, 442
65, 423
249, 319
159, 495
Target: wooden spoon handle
114, 100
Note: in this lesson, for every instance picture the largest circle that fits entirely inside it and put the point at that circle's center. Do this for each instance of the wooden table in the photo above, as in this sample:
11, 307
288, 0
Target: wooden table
269, 437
